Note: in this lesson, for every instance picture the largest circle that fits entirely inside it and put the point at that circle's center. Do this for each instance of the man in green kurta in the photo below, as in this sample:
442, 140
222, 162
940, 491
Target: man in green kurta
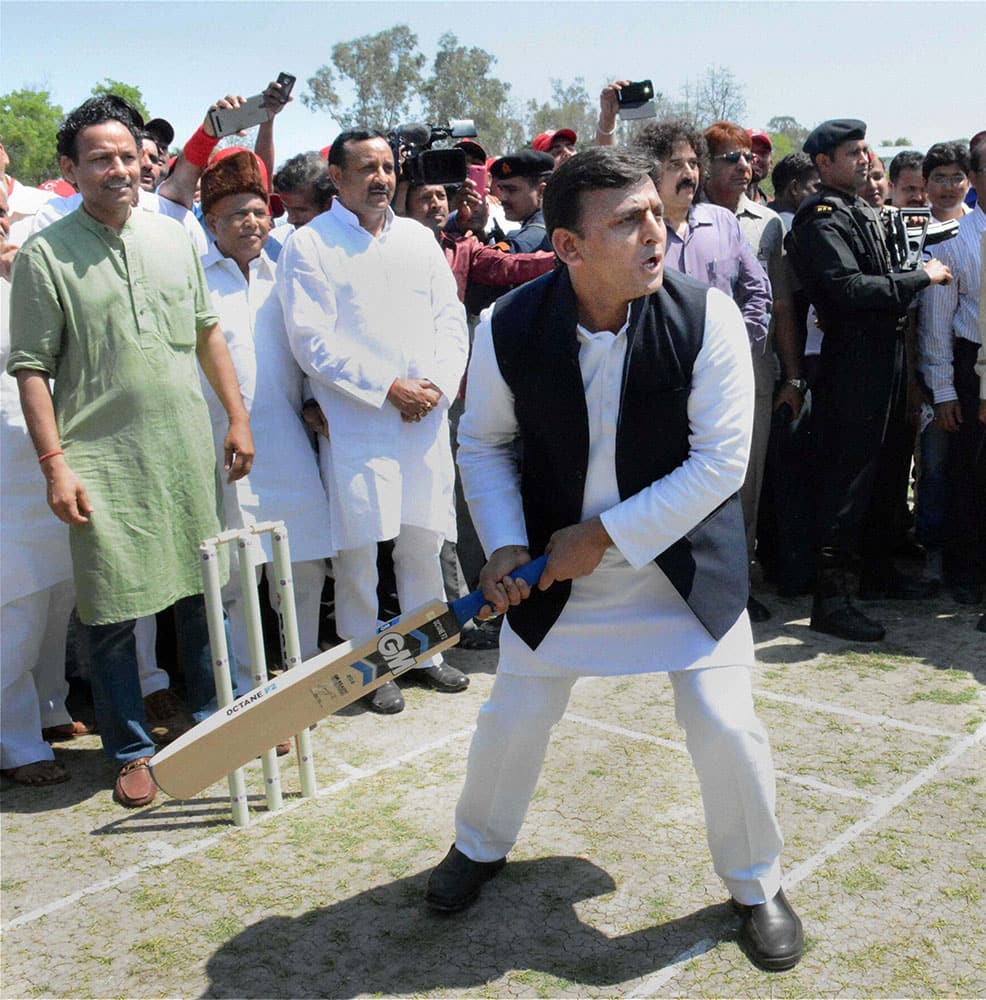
113, 305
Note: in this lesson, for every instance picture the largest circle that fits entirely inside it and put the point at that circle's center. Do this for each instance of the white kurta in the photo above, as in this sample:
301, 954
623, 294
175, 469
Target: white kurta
362, 311
147, 201
625, 617
34, 550
284, 482
24, 201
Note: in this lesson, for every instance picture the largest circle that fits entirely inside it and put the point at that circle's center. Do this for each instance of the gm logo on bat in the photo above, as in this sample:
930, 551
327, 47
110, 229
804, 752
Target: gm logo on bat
393, 649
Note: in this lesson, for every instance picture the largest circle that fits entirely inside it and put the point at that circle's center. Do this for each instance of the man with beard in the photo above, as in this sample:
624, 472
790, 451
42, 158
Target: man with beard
761, 158
838, 248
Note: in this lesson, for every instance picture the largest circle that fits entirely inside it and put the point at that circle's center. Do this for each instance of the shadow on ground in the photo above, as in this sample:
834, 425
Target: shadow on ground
385, 942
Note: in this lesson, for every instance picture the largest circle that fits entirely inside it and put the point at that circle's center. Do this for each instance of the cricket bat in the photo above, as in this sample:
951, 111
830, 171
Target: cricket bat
326, 683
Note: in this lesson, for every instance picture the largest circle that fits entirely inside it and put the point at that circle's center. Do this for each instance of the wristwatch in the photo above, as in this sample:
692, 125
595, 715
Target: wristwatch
799, 383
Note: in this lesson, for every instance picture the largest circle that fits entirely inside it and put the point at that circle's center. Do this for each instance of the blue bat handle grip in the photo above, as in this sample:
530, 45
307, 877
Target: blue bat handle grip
469, 606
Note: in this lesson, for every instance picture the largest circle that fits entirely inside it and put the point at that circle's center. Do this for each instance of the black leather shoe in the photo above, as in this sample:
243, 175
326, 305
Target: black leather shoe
981, 627
757, 611
386, 700
838, 616
457, 881
771, 934
896, 587
443, 678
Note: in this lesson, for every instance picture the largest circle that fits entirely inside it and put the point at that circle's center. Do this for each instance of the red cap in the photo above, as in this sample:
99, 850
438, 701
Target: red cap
543, 142
761, 138
62, 188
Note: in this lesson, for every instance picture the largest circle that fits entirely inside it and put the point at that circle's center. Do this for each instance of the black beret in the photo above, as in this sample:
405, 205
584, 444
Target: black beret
829, 134
526, 163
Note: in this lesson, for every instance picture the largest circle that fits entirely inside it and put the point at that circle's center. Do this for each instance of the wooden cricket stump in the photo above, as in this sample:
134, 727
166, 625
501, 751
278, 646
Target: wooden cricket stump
246, 542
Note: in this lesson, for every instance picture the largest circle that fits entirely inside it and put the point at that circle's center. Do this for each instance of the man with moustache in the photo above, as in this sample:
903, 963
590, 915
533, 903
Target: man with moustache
703, 241
907, 188
877, 187
373, 319
727, 186
629, 393
112, 303
838, 248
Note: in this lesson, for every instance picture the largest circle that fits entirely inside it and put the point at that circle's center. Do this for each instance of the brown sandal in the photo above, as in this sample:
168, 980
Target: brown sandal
66, 731
38, 773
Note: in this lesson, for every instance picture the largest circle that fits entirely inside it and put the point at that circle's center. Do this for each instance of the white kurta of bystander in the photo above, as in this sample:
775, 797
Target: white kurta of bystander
362, 311
284, 482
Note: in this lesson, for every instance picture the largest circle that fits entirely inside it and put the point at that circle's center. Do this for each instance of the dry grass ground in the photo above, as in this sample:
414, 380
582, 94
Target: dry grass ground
610, 893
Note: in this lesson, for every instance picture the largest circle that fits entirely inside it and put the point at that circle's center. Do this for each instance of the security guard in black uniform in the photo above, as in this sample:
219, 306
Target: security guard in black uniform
838, 247
521, 178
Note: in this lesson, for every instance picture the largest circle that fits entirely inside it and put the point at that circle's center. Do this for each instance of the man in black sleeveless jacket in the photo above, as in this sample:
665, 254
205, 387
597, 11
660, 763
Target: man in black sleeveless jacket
628, 395
838, 248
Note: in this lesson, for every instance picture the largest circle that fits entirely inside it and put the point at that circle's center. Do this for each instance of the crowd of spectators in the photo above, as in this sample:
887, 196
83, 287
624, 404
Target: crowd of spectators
214, 339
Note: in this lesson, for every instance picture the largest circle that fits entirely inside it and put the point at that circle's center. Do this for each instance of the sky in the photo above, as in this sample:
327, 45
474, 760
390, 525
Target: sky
809, 60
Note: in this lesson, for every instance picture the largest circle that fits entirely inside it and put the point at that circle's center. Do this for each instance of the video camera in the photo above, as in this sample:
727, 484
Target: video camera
910, 232
421, 164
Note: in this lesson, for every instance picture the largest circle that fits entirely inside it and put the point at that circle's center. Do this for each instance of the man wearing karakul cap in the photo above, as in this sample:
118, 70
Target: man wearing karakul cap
838, 247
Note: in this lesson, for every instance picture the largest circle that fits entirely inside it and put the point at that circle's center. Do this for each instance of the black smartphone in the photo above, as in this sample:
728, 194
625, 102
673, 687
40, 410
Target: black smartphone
636, 100
286, 80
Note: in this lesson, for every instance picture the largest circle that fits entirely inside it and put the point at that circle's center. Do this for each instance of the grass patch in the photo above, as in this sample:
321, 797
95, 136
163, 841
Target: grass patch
940, 696
223, 929
540, 984
863, 879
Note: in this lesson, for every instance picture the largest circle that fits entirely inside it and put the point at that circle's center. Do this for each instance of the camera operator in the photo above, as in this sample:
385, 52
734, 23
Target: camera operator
469, 259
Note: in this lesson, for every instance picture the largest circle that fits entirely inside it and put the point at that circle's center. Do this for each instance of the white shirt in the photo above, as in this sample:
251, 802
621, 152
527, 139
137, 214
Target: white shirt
627, 597
950, 311
23, 202
147, 201
34, 548
361, 311
284, 482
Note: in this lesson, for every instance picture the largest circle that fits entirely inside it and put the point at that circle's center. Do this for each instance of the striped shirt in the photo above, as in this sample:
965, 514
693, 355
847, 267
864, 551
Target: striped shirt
950, 311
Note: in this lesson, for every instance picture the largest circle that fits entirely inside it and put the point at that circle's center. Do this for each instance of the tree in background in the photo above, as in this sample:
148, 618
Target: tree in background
384, 71
462, 86
28, 127
716, 96
570, 107
130, 94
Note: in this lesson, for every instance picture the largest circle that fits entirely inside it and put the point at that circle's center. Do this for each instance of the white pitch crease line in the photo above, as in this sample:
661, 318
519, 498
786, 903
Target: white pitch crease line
165, 857
822, 786
662, 977
884, 806
634, 734
851, 713
651, 984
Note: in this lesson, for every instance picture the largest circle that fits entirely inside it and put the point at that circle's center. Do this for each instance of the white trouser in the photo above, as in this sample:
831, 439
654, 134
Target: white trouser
152, 677
417, 568
32, 672
727, 743
309, 578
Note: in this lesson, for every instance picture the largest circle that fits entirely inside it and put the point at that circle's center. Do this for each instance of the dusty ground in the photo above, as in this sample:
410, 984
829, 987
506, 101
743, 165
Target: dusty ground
881, 754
